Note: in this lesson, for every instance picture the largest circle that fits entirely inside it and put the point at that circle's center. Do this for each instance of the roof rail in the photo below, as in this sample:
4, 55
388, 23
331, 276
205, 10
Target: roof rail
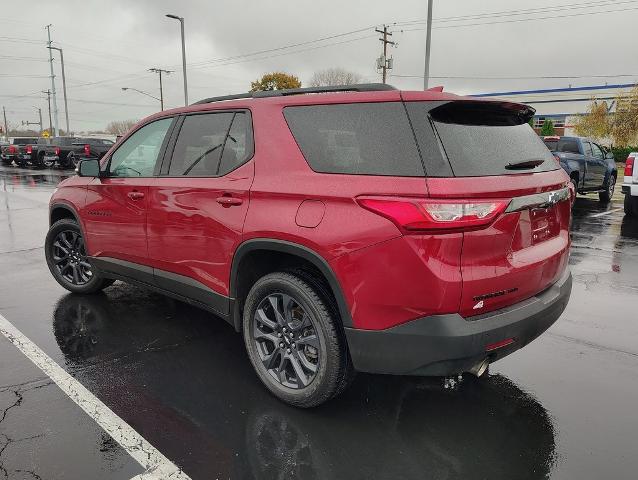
360, 87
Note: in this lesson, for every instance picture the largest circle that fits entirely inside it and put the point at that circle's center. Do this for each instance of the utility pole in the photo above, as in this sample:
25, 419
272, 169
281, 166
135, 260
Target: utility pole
6, 128
385, 63
48, 94
55, 103
66, 105
160, 71
428, 41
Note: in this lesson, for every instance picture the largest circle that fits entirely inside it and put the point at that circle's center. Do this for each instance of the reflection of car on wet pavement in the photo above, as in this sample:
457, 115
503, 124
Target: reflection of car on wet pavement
384, 427
364, 262
589, 166
630, 185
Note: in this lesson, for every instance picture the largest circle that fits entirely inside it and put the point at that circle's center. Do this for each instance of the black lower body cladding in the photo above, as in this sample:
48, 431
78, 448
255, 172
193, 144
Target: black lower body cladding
450, 344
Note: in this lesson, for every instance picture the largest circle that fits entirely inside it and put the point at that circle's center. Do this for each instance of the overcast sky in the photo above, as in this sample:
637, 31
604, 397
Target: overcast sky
112, 44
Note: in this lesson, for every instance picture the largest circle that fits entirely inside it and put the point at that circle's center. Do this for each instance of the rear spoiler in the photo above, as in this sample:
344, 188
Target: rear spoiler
490, 113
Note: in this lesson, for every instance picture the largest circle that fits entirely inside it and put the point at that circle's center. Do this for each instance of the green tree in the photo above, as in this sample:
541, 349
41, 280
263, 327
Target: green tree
596, 123
624, 124
531, 122
275, 81
548, 128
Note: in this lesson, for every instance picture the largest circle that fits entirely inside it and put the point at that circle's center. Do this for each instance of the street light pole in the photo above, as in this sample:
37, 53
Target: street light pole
428, 38
181, 22
66, 105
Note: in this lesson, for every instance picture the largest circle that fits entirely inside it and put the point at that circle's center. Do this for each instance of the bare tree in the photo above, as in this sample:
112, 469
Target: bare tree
120, 127
334, 76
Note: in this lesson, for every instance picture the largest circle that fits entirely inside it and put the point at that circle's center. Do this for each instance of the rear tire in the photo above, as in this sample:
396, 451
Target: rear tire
71, 161
606, 196
631, 205
67, 259
299, 353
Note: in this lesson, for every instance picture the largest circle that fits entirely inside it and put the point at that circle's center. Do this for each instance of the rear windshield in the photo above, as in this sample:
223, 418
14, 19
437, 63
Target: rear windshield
483, 139
356, 138
24, 141
551, 144
567, 145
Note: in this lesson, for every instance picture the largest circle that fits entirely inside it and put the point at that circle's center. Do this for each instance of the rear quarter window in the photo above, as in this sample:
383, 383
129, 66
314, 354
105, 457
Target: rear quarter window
356, 138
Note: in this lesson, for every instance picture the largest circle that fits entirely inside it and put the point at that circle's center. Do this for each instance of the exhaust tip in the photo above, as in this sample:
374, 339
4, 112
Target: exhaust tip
480, 368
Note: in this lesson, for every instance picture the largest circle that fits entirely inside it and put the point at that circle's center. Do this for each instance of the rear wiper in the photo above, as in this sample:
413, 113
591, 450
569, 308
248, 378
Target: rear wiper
524, 165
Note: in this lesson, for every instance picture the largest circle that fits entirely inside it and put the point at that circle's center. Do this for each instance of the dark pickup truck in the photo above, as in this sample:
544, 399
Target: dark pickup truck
68, 154
589, 166
24, 151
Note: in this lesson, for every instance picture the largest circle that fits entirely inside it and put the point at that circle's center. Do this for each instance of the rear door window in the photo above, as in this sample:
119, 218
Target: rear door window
356, 138
199, 145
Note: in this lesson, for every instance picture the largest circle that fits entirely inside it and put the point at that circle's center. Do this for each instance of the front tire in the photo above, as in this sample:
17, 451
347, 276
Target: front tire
67, 259
293, 340
606, 196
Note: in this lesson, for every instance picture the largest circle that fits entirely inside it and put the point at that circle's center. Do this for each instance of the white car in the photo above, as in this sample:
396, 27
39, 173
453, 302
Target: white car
630, 185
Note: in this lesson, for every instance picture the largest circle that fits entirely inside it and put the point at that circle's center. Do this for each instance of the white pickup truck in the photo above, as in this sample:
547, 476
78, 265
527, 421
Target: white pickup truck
630, 185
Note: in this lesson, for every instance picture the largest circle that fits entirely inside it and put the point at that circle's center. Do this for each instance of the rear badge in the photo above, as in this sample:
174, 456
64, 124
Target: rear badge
478, 305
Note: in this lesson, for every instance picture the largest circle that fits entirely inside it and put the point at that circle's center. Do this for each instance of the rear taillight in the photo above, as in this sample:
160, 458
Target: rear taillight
12, 149
87, 149
629, 167
57, 151
412, 215
29, 149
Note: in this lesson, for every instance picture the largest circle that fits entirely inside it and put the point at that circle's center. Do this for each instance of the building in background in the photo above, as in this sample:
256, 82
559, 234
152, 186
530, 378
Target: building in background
563, 105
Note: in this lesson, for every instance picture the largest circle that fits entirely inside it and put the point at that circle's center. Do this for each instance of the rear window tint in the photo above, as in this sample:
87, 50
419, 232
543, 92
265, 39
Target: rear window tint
475, 150
356, 138
483, 138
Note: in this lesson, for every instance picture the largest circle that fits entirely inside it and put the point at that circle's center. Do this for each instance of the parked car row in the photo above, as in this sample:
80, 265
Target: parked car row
64, 152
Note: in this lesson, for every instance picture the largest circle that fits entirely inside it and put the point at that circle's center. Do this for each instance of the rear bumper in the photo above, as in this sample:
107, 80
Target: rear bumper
630, 189
450, 344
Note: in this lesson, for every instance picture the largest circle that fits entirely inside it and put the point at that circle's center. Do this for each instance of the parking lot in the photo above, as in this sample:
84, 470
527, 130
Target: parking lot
564, 407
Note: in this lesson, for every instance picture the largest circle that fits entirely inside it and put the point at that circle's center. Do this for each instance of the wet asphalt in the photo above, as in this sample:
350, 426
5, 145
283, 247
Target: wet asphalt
564, 407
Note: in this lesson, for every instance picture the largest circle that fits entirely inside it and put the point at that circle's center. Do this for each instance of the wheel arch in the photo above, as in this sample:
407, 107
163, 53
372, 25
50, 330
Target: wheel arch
305, 254
58, 211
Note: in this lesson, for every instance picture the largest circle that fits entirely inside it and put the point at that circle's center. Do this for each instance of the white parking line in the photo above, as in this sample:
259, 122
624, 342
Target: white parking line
156, 465
605, 213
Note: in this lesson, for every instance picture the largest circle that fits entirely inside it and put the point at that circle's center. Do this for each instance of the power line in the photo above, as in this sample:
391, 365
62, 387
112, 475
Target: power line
528, 11
542, 77
523, 20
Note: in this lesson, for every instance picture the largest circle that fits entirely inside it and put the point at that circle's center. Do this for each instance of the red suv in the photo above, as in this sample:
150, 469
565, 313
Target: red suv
340, 229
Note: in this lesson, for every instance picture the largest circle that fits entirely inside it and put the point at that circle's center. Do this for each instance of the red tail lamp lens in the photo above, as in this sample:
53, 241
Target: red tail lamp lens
87, 150
57, 151
415, 215
629, 166
29, 149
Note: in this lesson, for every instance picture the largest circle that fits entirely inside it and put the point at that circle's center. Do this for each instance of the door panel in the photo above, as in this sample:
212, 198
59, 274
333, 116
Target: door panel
591, 177
195, 224
117, 201
196, 213
115, 216
599, 166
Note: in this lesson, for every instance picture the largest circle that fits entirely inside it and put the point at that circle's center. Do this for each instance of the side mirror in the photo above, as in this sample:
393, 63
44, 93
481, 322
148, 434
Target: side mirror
88, 168
609, 156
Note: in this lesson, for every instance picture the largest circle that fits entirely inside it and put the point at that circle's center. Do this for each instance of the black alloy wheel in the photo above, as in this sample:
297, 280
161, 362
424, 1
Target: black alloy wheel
69, 256
294, 338
286, 340
67, 259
